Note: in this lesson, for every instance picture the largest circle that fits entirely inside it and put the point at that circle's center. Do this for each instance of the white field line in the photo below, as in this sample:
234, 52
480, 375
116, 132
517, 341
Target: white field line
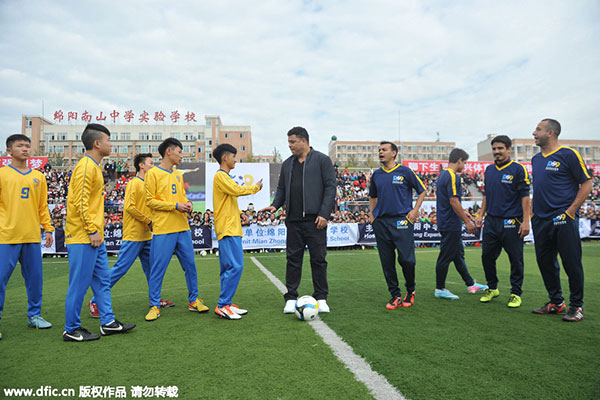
379, 387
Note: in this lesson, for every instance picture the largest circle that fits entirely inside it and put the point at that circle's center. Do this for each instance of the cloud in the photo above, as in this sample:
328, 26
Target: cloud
351, 69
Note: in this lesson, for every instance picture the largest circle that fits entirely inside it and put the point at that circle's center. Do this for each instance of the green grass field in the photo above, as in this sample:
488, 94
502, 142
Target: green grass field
437, 349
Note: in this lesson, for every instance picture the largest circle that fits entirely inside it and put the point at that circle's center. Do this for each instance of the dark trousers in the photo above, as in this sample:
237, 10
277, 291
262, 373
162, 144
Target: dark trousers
499, 233
396, 234
300, 235
451, 250
559, 237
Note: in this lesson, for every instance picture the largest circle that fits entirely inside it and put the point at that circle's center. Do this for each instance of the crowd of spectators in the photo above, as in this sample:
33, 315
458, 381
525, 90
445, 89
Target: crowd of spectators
352, 201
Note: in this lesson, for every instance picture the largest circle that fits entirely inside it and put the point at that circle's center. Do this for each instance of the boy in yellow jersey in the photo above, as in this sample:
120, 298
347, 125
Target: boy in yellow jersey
228, 229
23, 208
165, 197
84, 236
137, 229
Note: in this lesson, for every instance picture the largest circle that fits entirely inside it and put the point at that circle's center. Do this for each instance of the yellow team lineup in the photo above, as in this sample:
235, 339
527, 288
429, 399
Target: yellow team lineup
156, 227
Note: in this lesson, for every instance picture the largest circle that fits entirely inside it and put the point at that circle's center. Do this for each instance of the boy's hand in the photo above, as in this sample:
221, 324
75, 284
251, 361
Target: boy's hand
49, 240
95, 240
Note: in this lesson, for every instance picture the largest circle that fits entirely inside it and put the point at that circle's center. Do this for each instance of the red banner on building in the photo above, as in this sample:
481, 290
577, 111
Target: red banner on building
32, 162
471, 167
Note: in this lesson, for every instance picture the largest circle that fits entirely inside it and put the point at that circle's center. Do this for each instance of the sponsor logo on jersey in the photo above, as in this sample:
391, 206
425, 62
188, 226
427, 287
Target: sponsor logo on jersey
560, 219
398, 179
506, 178
552, 165
177, 178
402, 224
36, 182
510, 223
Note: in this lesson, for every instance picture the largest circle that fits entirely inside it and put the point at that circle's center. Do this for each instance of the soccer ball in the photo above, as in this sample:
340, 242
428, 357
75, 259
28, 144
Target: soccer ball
203, 253
307, 308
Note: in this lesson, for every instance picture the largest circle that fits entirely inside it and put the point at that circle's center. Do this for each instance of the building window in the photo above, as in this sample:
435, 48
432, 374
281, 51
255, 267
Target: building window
114, 149
28, 123
153, 149
144, 136
61, 136
188, 136
242, 135
145, 148
156, 136
243, 148
200, 135
125, 136
77, 136
123, 149
200, 149
186, 148
176, 135
114, 136
208, 123
226, 135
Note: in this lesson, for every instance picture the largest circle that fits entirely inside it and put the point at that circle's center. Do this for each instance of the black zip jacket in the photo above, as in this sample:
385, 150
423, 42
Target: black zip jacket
318, 184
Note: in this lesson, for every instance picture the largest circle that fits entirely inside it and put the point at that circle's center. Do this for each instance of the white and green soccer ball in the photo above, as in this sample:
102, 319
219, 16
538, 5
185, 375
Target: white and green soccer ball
203, 253
307, 308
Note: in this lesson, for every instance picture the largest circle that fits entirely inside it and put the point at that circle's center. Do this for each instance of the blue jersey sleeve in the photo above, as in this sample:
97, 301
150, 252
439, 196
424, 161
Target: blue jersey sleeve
577, 167
416, 182
452, 186
373, 187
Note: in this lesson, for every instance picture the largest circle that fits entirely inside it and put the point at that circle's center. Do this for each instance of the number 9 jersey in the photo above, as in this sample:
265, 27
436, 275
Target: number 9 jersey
164, 189
23, 206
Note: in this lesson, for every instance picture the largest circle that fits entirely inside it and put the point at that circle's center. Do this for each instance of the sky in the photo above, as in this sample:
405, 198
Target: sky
354, 69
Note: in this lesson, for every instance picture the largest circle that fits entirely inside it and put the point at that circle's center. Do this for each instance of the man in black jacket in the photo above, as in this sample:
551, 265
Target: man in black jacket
307, 188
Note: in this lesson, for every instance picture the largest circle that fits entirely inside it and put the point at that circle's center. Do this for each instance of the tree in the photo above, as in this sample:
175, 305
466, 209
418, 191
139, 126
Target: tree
250, 158
276, 156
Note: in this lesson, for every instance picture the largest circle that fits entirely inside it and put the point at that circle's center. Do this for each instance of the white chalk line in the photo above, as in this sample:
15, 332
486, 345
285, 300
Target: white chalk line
379, 387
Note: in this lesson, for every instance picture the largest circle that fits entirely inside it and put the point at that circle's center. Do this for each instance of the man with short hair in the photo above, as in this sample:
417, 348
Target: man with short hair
561, 183
506, 201
23, 208
307, 187
393, 215
449, 216
228, 229
84, 237
165, 197
137, 229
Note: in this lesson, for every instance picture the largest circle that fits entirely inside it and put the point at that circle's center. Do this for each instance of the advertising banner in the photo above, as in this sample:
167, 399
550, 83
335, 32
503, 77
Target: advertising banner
244, 174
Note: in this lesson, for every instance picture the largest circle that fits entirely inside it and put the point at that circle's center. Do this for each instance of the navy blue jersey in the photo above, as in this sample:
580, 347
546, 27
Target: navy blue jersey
448, 185
556, 180
393, 190
505, 185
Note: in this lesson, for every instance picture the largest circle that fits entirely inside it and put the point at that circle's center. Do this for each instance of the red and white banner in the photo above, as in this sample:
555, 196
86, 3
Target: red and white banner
471, 167
32, 162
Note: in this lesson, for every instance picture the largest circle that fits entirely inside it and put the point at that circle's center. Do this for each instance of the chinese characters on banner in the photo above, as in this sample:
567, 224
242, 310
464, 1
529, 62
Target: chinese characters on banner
32, 162
129, 116
471, 167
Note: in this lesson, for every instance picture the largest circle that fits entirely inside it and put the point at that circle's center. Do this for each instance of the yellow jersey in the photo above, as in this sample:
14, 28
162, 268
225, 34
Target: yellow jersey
227, 212
85, 202
136, 215
164, 189
23, 206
